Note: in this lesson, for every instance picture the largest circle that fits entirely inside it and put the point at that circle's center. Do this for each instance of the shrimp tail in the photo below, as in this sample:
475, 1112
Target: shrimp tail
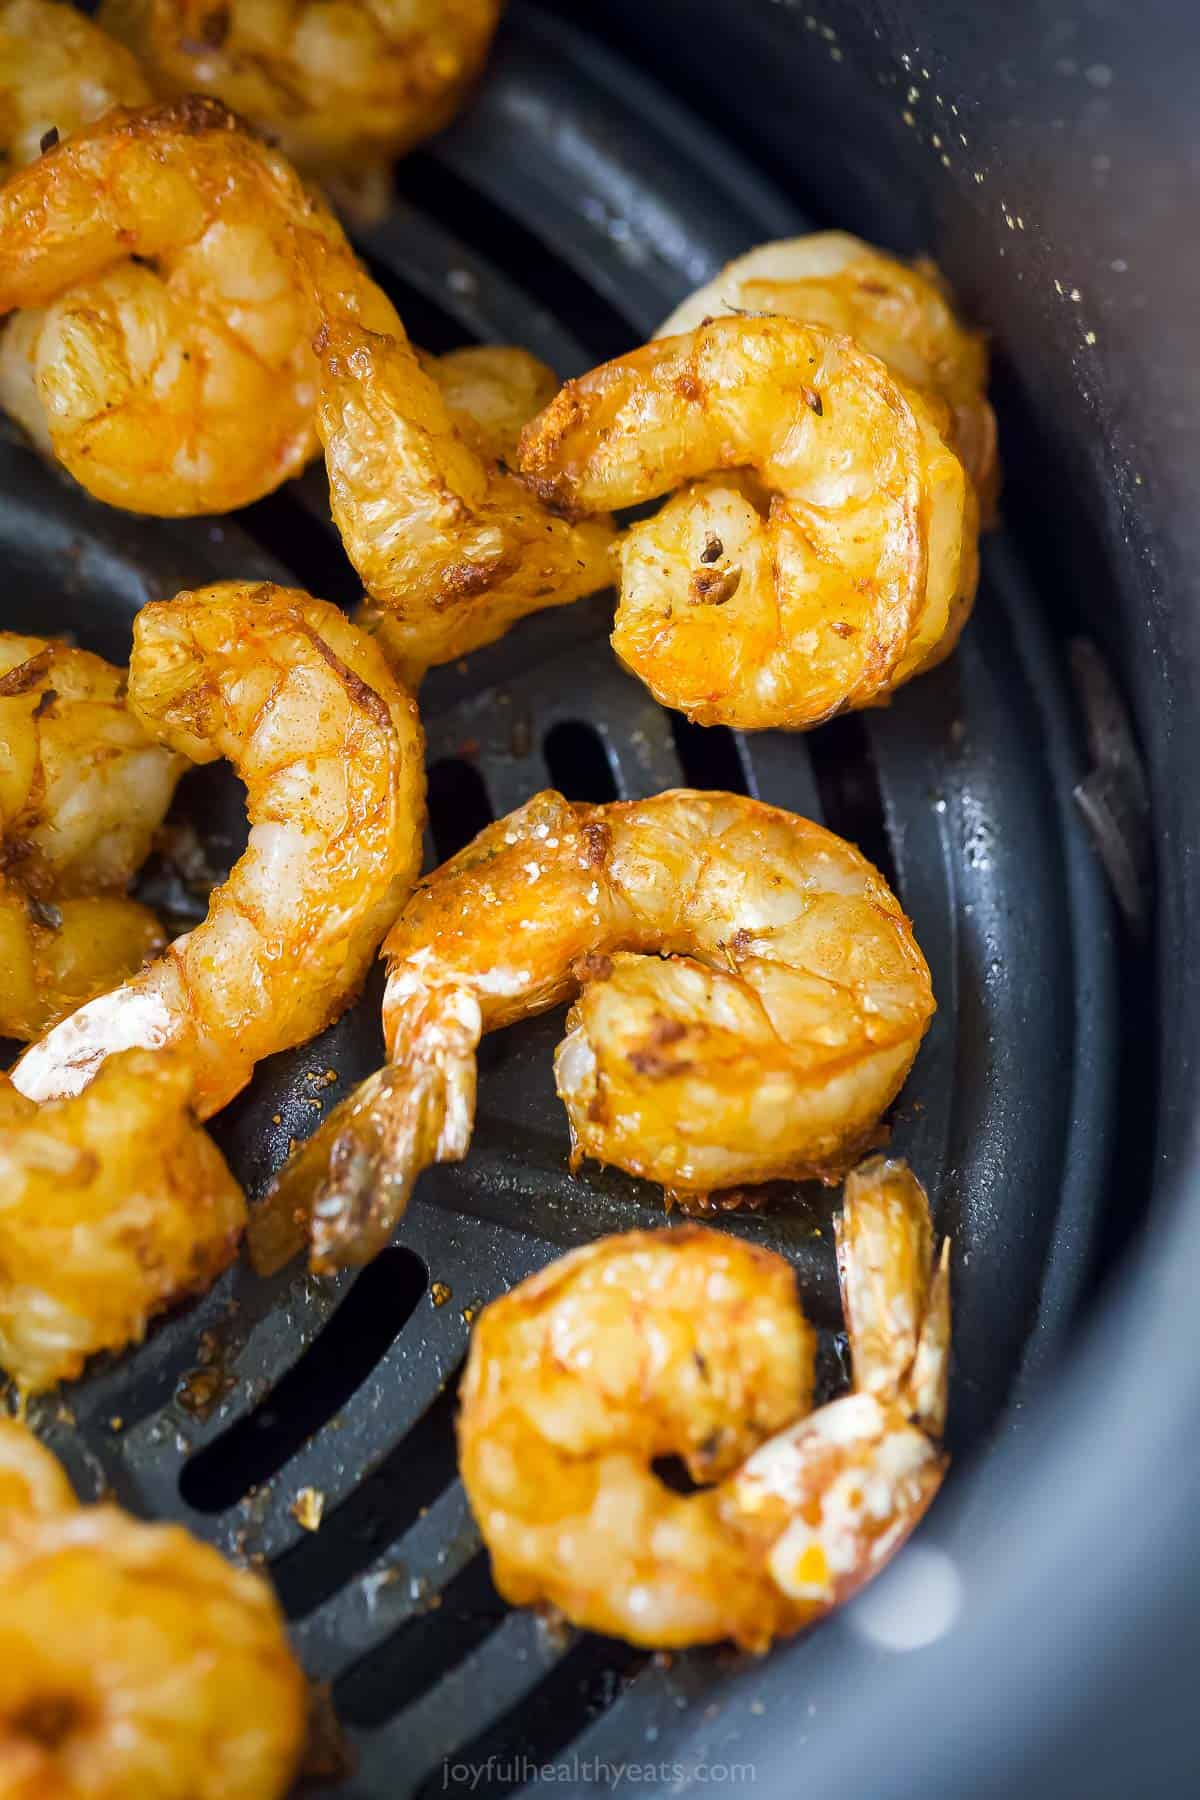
348, 1186
928, 1380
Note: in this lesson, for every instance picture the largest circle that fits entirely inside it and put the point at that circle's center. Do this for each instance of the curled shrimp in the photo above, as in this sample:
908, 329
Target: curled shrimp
82, 790
58, 71
114, 1204
341, 85
687, 1343
133, 1659
752, 999
164, 350
902, 313
330, 749
834, 560
450, 545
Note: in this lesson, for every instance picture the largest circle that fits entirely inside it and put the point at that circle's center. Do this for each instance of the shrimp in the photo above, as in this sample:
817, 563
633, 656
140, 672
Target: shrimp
341, 85
688, 1343
330, 749
491, 392
114, 1204
133, 1659
752, 999
902, 314
57, 957
32, 1481
835, 561
82, 791
451, 546
164, 353
58, 71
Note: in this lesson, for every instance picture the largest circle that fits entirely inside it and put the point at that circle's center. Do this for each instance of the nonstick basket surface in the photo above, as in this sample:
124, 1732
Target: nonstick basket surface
569, 211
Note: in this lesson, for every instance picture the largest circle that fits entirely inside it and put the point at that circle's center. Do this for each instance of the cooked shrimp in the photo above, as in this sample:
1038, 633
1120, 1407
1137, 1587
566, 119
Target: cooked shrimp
340, 84
82, 790
83, 787
330, 749
112, 1206
753, 999
57, 956
57, 71
688, 1343
842, 566
901, 313
31, 1479
491, 392
450, 545
134, 1661
165, 356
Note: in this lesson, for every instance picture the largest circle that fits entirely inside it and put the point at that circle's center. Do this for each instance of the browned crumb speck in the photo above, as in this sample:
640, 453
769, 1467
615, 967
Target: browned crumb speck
307, 1508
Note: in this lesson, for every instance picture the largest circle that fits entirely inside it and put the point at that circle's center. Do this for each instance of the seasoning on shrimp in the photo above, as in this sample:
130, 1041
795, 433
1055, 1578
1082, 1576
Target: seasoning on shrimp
58, 71
134, 1661
163, 353
750, 1000
689, 1343
330, 749
450, 545
343, 86
850, 528
901, 313
116, 1204
82, 790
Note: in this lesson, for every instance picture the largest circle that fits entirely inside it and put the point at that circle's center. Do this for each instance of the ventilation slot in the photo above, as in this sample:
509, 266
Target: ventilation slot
578, 762
424, 1649
496, 234
582, 1686
360, 1332
844, 768
459, 806
380, 1510
709, 755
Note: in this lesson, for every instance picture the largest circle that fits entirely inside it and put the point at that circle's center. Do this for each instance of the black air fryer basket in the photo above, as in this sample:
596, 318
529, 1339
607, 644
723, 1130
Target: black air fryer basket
1035, 803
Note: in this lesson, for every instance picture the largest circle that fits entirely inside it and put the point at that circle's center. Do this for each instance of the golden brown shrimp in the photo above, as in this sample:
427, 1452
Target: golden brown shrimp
688, 1343
753, 999
330, 749
58, 955
843, 565
32, 1481
450, 545
82, 790
164, 355
491, 392
112, 1206
83, 787
901, 313
342, 85
58, 71
134, 1661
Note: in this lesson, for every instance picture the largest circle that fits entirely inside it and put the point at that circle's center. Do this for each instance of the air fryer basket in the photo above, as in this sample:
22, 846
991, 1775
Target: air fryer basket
570, 210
